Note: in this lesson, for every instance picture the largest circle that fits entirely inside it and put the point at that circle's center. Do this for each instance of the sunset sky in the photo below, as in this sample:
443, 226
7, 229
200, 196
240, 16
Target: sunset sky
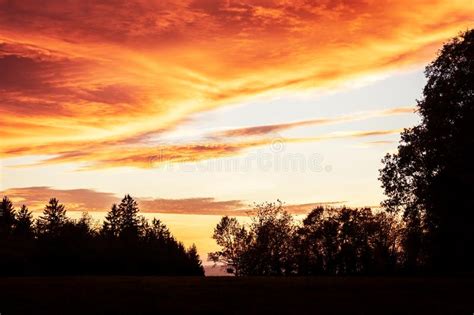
200, 108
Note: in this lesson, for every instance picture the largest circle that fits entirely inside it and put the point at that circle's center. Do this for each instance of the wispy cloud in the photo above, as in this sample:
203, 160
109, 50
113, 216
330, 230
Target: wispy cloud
268, 129
92, 156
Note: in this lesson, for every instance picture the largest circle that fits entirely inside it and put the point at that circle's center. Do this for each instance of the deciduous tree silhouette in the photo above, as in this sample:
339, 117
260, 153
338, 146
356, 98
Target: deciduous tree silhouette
430, 178
272, 231
234, 240
329, 241
347, 241
265, 247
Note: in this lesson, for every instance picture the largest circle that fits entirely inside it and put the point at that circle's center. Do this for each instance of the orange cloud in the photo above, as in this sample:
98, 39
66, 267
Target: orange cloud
75, 199
307, 207
81, 74
192, 206
90, 200
268, 129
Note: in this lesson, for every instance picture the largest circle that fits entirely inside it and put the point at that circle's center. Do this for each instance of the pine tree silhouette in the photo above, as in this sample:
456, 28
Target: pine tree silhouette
7, 217
53, 218
111, 225
129, 219
24, 223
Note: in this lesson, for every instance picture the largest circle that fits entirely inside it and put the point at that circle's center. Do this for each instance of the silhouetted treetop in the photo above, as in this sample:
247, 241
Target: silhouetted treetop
53, 218
7, 216
128, 218
111, 224
24, 223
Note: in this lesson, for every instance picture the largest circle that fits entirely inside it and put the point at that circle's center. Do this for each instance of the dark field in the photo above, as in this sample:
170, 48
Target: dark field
222, 295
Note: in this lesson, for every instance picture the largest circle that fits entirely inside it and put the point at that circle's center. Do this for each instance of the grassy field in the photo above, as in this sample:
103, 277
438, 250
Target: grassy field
225, 295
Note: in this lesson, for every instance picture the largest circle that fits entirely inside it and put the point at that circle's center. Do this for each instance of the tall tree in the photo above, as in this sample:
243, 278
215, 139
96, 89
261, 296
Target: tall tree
129, 219
430, 178
7, 217
111, 225
264, 247
194, 261
24, 223
234, 240
53, 218
272, 231
314, 240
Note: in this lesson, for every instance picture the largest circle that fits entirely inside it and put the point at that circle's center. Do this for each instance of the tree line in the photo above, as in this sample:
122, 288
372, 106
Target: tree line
427, 221
328, 241
125, 244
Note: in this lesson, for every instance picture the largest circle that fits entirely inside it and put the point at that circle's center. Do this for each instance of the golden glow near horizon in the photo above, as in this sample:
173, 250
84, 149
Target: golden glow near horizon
184, 104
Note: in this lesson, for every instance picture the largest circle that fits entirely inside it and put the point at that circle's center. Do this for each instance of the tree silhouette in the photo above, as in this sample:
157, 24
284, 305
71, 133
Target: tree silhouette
157, 231
316, 243
271, 250
265, 247
194, 260
128, 218
53, 218
234, 240
430, 178
24, 223
111, 225
7, 217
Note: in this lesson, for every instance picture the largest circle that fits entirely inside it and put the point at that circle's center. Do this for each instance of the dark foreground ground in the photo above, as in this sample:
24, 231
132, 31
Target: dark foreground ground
222, 295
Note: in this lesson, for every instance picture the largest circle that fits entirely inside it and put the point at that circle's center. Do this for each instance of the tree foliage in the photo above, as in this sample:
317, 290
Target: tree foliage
429, 180
7, 216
